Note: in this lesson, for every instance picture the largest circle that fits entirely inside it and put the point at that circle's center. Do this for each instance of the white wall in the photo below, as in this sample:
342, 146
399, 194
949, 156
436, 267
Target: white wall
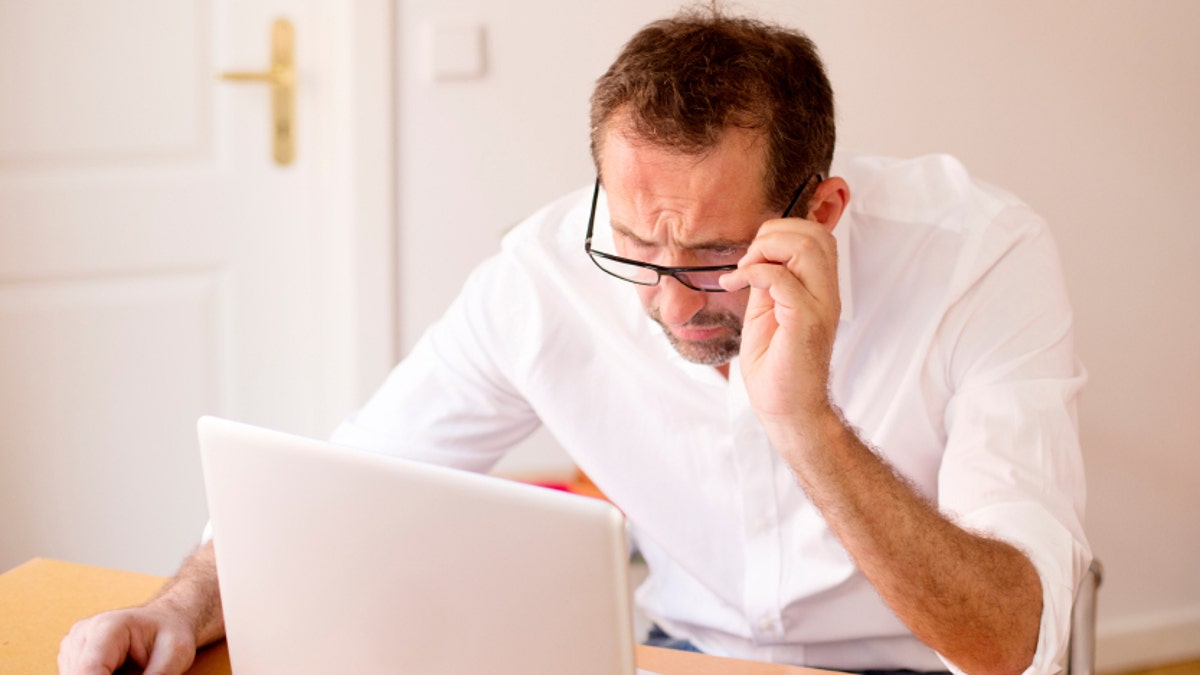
1088, 110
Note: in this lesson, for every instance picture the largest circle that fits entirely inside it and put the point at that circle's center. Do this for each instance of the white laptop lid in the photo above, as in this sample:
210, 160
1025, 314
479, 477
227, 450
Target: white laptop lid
336, 560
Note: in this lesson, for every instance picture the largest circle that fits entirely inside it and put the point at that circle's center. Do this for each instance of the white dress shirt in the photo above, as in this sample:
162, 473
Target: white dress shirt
953, 359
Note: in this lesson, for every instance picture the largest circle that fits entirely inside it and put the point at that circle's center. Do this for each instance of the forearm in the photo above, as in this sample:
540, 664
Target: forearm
195, 594
975, 600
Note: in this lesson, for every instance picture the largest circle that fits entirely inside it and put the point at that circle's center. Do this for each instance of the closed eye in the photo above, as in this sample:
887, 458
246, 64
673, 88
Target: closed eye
721, 255
633, 242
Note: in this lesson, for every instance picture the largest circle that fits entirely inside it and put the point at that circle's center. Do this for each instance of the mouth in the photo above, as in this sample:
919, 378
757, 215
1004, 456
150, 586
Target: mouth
698, 334
710, 338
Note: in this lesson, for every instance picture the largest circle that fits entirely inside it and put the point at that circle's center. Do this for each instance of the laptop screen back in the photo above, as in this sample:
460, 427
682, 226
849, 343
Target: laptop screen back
338, 560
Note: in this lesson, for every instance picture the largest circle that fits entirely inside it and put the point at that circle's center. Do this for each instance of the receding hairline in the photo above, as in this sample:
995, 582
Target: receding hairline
621, 122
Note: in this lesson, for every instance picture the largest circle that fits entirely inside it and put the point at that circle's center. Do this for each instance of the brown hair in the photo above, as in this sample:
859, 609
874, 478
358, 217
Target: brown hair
680, 82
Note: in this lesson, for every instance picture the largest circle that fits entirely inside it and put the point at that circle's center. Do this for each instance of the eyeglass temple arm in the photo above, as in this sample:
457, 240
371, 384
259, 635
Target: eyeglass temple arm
795, 197
587, 240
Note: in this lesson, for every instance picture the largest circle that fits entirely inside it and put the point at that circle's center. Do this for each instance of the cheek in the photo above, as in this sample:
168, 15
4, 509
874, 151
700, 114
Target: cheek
730, 303
646, 295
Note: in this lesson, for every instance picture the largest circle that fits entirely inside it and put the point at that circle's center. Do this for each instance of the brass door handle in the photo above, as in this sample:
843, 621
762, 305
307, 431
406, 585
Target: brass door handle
282, 78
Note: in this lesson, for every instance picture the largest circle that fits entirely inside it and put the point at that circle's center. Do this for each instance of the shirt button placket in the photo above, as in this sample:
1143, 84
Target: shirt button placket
762, 562
759, 516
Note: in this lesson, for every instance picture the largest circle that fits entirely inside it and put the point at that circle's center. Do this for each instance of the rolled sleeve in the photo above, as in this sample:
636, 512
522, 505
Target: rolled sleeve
1013, 472
1013, 467
1060, 560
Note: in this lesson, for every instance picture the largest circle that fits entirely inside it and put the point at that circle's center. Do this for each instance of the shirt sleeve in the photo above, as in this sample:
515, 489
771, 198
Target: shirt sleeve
1013, 468
451, 401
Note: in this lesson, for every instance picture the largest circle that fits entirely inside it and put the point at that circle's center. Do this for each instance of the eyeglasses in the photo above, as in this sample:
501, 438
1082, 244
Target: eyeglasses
705, 279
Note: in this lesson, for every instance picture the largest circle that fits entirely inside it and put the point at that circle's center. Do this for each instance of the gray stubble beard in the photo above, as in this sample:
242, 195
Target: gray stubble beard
716, 352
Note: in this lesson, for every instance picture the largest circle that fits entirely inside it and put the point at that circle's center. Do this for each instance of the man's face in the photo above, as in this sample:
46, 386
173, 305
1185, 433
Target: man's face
679, 210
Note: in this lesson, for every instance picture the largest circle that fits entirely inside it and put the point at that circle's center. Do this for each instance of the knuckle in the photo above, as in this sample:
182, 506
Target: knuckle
105, 624
807, 243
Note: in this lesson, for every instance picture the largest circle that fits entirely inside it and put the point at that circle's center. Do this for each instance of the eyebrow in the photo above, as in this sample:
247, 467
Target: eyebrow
708, 245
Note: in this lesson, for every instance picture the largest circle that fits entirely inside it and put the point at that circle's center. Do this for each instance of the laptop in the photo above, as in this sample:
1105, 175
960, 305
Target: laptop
335, 560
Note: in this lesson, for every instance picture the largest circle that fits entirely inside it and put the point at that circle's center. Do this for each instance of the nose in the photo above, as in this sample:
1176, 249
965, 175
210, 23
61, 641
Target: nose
677, 303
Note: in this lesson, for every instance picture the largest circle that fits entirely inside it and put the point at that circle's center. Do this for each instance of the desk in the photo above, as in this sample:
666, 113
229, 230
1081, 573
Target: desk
40, 600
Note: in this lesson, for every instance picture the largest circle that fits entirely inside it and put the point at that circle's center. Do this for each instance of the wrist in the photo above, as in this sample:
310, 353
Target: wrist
193, 603
805, 433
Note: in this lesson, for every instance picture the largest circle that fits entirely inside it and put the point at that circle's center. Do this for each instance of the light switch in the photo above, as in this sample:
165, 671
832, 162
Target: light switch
454, 50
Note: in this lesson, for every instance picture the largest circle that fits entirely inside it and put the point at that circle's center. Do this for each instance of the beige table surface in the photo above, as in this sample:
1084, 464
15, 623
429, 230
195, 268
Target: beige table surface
41, 599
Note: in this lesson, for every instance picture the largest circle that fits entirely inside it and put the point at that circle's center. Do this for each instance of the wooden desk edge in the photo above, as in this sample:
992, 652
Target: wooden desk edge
45, 597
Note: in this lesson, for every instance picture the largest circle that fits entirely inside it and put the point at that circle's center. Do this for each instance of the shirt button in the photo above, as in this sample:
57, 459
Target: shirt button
766, 625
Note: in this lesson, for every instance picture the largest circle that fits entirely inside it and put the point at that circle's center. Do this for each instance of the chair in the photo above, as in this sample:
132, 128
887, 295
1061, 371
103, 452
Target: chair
1081, 647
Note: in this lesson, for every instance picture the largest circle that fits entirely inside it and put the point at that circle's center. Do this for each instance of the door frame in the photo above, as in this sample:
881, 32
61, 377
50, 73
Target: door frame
357, 170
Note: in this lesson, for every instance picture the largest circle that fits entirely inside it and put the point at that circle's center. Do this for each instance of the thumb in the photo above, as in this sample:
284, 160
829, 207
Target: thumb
170, 655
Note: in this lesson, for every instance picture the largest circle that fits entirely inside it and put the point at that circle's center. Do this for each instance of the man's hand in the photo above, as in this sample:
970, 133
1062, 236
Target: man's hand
158, 639
161, 636
791, 318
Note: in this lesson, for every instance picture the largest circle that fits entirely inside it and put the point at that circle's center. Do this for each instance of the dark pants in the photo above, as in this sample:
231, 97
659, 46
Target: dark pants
659, 638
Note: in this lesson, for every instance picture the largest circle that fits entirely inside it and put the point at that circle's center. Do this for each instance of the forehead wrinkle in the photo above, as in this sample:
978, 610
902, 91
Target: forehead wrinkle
687, 226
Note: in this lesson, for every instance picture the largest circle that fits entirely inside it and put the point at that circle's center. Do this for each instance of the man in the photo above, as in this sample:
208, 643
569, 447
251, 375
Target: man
855, 447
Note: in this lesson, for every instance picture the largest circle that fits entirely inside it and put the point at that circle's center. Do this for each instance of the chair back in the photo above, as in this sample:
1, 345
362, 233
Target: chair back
1081, 649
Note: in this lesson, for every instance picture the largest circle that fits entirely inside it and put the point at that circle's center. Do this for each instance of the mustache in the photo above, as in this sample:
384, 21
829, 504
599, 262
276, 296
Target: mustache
704, 319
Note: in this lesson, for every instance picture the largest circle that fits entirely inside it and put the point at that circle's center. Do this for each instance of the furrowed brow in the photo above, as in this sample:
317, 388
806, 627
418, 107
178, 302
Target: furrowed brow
704, 245
628, 234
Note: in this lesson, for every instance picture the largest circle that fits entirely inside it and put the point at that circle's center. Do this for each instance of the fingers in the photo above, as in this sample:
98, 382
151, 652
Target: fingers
101, 644
781, 293
95, 646
781, 240
806, 250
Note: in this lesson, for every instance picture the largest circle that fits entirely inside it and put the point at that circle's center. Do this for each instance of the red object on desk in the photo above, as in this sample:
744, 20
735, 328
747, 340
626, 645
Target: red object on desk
580, 484
560, 486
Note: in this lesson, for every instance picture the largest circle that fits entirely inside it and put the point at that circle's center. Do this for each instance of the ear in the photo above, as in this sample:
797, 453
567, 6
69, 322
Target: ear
829, 202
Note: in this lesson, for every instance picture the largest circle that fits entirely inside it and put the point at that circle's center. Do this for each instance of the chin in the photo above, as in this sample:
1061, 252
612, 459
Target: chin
717, 352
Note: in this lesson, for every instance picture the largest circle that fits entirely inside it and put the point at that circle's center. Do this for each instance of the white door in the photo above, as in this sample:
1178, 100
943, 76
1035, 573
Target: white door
156, 264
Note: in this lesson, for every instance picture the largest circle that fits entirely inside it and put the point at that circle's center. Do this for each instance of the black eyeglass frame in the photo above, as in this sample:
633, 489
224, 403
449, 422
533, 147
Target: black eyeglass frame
677, 273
